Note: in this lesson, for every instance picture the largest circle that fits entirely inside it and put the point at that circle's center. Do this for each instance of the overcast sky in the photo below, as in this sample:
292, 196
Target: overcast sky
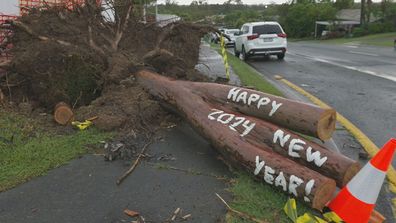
9, 7
187, 2
249, 2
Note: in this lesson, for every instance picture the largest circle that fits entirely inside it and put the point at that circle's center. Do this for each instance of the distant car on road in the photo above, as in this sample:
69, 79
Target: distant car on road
260, 38
214, 37
230, 34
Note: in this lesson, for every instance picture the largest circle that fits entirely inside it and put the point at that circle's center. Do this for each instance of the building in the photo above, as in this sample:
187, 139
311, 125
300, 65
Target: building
19, 7
165, 19
346, 20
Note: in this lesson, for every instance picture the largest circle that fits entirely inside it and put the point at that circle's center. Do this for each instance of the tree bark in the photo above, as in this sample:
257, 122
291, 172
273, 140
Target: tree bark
275, 169
270, 137
297, 116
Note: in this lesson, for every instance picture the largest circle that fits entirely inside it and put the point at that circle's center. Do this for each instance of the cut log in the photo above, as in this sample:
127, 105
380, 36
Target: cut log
297, 116
63, 114
274, 169
270, 137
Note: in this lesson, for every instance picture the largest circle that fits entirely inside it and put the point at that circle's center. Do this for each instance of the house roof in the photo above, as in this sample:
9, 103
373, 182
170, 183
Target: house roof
348, 14
164, 17
337, 22
352, 15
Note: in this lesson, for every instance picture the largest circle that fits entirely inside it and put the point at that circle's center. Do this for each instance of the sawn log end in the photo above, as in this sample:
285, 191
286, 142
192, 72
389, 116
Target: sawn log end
326, 124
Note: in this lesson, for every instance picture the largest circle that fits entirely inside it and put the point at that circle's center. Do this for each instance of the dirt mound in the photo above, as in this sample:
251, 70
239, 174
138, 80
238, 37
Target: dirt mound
78, 58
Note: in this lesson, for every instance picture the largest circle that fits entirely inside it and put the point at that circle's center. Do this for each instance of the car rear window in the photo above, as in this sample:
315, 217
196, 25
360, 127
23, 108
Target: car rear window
267, 29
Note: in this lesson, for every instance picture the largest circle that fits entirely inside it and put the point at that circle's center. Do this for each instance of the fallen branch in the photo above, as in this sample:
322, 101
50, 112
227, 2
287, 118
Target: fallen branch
92, 44
240, 214
121, 29
174, 215
130, 170
188, 171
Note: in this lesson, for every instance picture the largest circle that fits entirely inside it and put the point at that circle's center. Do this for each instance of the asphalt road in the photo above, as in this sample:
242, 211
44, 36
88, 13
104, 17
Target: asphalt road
358, 81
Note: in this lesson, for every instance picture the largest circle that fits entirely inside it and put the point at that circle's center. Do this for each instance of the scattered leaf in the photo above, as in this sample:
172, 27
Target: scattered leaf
131, 213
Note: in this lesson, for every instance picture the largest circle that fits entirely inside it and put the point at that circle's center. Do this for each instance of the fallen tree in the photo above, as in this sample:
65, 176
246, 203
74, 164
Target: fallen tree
264, 134
230, 137
300, 117
74, 56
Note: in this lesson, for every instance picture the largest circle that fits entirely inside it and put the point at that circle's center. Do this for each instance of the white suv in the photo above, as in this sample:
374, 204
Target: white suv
260, 38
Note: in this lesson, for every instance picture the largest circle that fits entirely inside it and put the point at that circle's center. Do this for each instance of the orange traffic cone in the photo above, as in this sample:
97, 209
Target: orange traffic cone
355, 202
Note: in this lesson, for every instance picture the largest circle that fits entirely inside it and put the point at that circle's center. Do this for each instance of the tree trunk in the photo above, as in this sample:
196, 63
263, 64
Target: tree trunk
363, 13
297, 116
275, 169
270, 137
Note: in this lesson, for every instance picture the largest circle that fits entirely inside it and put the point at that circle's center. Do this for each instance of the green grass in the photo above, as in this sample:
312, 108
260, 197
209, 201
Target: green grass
248, 75
27, 151
260, 200
383, 39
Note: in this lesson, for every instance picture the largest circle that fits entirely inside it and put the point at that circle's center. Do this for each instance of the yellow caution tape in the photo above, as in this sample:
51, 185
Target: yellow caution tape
291, 209
309, 218
82, 125
332, 217
225, 59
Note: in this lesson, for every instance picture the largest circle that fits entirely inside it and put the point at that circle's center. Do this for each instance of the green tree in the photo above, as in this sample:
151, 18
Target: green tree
343, 4
238, 18
299, 19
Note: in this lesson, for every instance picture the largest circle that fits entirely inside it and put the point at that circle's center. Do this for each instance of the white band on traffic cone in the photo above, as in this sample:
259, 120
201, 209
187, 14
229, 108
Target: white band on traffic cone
364, 190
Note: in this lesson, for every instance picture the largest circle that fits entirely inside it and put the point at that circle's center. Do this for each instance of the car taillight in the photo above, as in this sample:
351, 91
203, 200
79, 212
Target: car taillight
282, 35
252, 37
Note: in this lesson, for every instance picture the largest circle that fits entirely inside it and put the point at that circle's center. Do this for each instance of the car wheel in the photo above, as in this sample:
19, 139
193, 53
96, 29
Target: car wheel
281, 56
236, 53
245, 57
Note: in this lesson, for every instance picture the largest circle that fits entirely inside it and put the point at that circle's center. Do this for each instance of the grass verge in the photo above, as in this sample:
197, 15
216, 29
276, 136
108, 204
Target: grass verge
259, 200
27, 151
248, 75
382, 39
251, 197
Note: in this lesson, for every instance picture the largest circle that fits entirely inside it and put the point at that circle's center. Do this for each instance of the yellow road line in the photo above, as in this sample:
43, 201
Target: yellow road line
367, 144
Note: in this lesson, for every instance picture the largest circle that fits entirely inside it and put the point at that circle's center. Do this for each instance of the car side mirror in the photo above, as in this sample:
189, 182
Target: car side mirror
238, 33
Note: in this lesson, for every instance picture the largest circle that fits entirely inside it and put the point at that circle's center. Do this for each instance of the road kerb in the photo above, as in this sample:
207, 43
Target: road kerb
367, 144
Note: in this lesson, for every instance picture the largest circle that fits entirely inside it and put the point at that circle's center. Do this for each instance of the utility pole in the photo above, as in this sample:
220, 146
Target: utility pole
156, 10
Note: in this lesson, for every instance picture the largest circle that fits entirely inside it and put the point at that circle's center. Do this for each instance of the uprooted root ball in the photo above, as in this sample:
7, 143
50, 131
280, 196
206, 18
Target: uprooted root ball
75, 57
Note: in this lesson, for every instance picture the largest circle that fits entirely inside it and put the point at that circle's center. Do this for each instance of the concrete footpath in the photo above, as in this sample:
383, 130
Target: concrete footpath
85, 190
211, 64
